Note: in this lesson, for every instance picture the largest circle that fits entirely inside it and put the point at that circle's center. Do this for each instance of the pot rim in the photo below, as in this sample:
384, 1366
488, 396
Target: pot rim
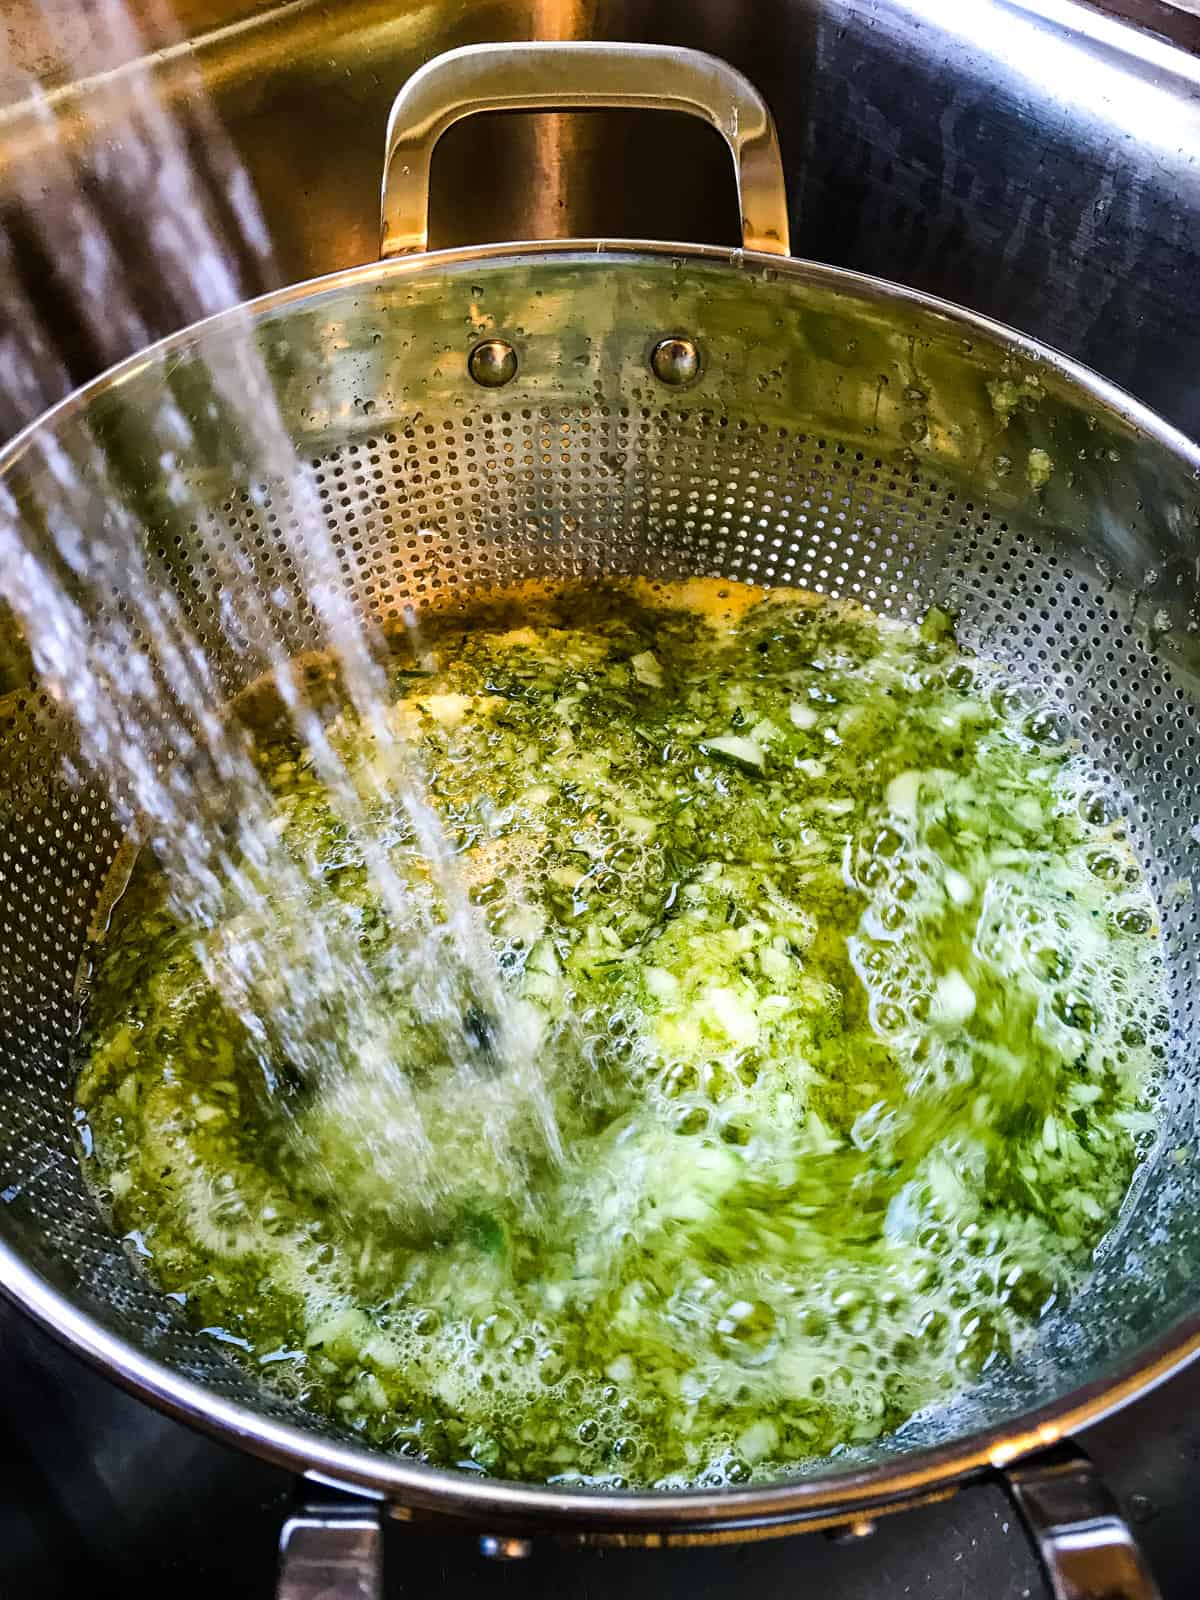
654, 1515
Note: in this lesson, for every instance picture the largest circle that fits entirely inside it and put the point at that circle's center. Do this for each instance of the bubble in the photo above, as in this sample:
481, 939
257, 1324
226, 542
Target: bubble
681, 1077
934, 1326
853, 1312
1075, 1011
1048, 727
889, 1018
748, 1330
841, 1381
1052, 964
1016, 699
1105, 865
875, 960
605, 885
552, 1367
1132, 919
716, 1081
896, 1386
927, 1278
573, 1391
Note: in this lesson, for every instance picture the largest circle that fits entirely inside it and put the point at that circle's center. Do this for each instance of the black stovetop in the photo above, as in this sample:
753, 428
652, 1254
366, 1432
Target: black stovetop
101, 1496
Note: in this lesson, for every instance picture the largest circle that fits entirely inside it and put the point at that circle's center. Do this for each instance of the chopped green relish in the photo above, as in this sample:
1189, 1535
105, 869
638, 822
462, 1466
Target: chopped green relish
841, 983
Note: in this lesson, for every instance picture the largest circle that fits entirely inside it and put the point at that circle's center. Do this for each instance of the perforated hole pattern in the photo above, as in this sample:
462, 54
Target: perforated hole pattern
452, 504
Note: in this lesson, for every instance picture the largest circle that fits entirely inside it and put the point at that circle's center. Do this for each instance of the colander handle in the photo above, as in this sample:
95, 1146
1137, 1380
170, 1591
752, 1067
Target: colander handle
1087, 1549
572, 77
332, 1552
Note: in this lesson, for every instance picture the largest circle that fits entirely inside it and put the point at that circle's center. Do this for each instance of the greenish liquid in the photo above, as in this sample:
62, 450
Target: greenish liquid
845, 991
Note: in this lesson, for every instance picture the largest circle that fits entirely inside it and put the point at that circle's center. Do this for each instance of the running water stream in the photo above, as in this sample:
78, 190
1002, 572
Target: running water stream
148, 693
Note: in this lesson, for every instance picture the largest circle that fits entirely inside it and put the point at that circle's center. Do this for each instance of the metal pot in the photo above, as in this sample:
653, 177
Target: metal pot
476, 416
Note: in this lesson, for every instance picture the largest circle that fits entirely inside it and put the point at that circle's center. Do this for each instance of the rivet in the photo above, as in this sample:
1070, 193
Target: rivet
676, 361
504, 1547
492, 363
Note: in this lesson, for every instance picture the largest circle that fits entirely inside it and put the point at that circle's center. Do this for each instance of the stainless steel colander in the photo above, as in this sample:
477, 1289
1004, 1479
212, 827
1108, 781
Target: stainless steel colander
475, 417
